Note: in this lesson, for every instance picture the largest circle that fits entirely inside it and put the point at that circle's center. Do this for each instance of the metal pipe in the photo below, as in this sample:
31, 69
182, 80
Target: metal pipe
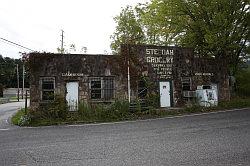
128, 83
26, 96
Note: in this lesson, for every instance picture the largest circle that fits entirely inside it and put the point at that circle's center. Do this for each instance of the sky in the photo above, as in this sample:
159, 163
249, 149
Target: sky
37, 24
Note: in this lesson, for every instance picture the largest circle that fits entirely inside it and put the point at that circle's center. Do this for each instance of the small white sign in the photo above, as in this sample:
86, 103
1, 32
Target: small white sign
68, 74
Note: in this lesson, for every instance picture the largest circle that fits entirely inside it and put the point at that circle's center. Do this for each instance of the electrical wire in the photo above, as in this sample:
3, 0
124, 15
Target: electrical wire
16, 44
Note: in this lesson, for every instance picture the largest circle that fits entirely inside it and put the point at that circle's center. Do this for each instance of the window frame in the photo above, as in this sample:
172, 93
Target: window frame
41, 80
94, 89
107, 92
186, 82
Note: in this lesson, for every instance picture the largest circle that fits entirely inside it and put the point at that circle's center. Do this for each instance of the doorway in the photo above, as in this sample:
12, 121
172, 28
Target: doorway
165, 97
72, 95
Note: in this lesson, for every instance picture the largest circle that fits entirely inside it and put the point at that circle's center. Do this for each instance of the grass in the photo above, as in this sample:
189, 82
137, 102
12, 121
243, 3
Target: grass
16, 118
118, 111
235, 103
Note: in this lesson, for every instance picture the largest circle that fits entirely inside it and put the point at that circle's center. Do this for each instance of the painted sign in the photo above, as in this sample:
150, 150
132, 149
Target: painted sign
204, 74
68, 74
161, 61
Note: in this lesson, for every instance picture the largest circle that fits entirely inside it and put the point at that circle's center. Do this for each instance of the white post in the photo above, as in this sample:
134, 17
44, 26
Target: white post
23, 81
128, 83
17, 82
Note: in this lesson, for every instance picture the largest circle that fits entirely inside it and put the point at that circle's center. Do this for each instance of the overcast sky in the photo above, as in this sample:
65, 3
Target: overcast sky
37, 24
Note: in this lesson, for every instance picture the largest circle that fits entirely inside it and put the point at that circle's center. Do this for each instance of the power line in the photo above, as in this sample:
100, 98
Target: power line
16, 44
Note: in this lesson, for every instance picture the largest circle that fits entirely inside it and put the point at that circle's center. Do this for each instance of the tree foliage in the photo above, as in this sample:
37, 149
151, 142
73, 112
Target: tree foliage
8, 72
218, 28
243, 82
128, 29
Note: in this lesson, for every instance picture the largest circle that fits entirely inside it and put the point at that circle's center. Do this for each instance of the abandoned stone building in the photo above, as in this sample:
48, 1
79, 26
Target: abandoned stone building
172, 73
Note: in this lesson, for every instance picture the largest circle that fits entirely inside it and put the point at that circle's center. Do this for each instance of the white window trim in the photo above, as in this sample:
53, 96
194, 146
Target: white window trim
41, 79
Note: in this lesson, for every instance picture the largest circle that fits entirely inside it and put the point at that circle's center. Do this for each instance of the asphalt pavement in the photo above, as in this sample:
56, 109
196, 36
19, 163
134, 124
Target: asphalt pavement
6, 111
209, 139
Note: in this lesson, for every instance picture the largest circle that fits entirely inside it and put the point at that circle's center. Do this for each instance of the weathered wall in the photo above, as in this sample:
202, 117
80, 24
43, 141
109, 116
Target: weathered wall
61, 66
158, 63
201, 70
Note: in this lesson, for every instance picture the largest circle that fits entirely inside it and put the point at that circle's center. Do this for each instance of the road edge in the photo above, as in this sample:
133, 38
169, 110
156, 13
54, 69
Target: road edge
142, 120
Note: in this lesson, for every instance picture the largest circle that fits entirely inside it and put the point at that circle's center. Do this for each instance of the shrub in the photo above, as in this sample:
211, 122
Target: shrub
20, 118
53, 110
57, 109
24, 120
121, 107
103, 113
84, 111
235, 103
243, 82
118, 110
153, 100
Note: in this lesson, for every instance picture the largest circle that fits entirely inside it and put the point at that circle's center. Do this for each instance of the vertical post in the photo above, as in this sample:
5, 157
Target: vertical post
26, 96
17, 82
128, 83
23, 81
62, 49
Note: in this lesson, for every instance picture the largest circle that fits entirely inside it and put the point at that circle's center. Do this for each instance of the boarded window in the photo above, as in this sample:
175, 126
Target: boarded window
102, 88
47, 88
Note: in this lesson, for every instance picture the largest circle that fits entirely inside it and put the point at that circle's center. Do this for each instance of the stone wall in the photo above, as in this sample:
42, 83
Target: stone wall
201, 70
144, 61
72, 67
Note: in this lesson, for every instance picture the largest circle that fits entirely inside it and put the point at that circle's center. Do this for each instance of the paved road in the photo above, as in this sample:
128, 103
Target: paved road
212, 139
6, 111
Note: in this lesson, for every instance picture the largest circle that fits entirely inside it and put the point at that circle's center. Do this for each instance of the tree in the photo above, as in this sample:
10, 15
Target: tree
154, 23
216, 28
128, 29
8, 75
1, 74
243, 82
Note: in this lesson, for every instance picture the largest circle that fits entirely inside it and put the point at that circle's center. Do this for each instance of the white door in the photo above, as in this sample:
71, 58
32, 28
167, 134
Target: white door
165, 94
72, 95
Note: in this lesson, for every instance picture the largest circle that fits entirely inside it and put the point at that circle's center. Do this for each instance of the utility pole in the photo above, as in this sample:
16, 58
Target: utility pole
24, 55
17, 82
62, 49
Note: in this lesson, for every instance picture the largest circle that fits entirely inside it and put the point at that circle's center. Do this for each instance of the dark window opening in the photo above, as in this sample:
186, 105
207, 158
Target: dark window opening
96, 88
48, 88
142, 89
108, 88
102, 88
96, 94
186, 84
206, 87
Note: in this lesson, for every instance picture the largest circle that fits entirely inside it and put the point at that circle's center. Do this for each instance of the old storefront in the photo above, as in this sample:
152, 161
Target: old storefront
173, 73
89, 78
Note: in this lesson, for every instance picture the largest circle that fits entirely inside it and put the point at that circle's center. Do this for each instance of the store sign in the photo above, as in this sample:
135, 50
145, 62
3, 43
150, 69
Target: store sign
162, 61
204, 74
68, 74
159, 52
